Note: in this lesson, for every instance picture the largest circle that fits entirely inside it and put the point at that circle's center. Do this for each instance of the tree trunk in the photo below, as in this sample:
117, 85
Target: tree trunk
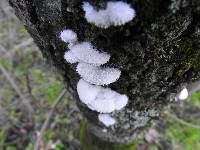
158, 53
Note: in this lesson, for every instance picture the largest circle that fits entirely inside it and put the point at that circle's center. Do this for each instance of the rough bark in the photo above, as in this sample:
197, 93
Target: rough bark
158, 53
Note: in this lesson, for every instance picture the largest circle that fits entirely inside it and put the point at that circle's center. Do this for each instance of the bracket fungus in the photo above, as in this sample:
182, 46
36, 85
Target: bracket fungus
70, 58
107, 17
98, 75
85, 52
68, 36
100, 99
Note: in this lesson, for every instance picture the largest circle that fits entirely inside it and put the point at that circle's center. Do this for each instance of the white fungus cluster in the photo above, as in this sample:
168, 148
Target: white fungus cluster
116, 13
82, 52
89, 59
96, 97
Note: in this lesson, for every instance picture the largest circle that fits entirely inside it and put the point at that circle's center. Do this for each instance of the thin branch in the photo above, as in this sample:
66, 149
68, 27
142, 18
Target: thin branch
47, 121
14, 86
17, 47
22, 44
181, 121
28, 85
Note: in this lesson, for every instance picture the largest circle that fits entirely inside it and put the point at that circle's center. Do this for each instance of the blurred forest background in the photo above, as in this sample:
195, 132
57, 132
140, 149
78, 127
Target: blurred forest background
26, 80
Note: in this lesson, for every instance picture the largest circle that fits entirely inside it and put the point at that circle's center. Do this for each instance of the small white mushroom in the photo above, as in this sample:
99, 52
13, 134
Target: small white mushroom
102, 105
100, 99
68, 36
120, 101
115, 100
98, 75
120, 13
70, 58
115, 13
85, 52
87, 92
107, 101
99, 18
106, 119
183, 94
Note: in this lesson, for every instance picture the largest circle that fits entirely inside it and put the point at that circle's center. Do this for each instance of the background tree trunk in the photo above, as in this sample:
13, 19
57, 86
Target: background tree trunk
158, 53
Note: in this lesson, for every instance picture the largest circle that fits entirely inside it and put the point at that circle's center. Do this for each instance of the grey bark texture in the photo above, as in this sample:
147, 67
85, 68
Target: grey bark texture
158, 53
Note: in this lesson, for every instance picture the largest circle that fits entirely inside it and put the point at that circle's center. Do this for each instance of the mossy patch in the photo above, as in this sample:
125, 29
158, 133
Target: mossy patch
191, 52
5, 63
186, 137
2, 137
195, 100
132, 146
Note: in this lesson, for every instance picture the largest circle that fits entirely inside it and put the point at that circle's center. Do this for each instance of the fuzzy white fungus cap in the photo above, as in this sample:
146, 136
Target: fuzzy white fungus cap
104, 101
108, 100
102, 105
68, 36
70, 58
85, 52
99, 18
183, 94
100, 99
106, 119
87, 92
120, 12
115, 13
121, 101
98, 75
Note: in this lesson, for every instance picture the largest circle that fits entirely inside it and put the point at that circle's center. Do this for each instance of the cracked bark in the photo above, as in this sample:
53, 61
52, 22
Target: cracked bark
158, 53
